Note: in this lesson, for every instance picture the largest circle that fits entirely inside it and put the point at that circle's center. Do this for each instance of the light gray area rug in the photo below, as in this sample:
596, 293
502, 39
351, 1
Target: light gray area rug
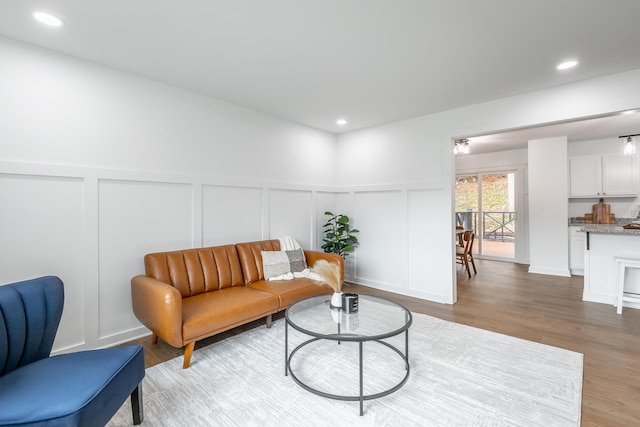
459, 376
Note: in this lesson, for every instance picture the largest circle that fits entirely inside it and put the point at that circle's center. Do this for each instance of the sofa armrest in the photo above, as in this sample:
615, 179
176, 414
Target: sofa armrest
158, 306
313, 256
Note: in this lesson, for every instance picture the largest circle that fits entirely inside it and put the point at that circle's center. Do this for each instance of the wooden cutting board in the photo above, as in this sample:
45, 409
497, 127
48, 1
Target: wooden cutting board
588, 218
601, 213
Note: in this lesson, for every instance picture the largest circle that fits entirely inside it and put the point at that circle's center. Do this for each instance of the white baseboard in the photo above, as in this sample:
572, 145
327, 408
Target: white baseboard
564, 272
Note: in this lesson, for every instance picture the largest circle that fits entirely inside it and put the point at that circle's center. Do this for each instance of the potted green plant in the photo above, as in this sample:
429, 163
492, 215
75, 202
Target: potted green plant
339, 237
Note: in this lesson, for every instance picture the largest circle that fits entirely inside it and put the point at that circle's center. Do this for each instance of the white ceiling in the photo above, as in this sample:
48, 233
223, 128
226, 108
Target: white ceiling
600, 128
368, 61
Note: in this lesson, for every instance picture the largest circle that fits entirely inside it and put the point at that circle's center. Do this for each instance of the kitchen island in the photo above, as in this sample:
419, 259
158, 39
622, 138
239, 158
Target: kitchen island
602, 243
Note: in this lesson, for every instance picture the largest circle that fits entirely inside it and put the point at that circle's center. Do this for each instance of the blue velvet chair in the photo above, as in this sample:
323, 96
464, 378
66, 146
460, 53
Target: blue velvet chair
77, 389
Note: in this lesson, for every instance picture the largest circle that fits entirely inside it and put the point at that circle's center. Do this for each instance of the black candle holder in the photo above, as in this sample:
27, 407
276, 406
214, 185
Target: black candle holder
350, 303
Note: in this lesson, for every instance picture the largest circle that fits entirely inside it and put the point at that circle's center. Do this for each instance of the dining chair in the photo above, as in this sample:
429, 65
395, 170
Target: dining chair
464, 253
459, 232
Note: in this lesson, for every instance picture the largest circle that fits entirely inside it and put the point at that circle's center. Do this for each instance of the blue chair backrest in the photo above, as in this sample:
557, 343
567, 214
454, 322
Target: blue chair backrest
30, 313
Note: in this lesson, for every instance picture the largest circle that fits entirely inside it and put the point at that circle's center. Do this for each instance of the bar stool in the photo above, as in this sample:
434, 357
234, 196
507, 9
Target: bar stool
624, 262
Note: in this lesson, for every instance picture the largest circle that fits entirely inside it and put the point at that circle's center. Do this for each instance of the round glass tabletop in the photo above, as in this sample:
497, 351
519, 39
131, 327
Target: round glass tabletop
377, 318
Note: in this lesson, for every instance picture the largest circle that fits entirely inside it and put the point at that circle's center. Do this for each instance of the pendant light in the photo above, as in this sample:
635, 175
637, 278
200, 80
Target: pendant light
461, 146
629, 144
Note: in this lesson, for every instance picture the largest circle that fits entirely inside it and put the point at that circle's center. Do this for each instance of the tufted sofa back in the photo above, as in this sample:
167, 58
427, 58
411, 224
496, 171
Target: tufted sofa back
30, 313
251, 258
195, 271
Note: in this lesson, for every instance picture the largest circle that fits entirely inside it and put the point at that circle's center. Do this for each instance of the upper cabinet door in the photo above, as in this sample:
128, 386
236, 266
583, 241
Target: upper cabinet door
607, 175
586, 176
619, 175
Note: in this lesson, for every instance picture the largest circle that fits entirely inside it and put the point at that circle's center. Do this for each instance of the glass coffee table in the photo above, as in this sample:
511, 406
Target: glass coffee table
377, 319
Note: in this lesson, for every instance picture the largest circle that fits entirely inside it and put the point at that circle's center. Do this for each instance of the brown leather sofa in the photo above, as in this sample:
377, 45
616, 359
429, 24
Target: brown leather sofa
192, 294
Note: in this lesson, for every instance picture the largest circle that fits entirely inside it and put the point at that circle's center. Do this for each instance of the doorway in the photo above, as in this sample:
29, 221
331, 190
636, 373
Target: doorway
485, 204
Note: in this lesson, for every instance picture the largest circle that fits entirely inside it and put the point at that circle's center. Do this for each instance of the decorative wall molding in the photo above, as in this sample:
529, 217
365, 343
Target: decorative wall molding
120, 215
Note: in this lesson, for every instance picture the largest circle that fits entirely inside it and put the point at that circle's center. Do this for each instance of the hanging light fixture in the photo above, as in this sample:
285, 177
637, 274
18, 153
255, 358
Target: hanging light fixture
461, 146
629, 144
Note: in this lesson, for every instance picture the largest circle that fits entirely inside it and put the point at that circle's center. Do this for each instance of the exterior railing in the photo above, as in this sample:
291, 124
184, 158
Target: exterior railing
498, 226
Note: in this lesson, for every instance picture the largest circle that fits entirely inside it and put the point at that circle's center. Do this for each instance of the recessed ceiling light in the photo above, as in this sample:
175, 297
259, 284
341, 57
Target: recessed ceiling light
341, 122
567, 64
48, 19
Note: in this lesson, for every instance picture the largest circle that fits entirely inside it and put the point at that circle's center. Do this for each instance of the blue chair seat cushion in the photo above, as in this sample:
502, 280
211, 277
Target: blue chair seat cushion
83, 388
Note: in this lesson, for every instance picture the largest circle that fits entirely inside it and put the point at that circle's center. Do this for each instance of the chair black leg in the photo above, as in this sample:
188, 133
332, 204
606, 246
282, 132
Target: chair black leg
137, 406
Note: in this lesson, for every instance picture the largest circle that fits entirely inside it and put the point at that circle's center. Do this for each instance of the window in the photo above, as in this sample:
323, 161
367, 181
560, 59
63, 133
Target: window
485, 204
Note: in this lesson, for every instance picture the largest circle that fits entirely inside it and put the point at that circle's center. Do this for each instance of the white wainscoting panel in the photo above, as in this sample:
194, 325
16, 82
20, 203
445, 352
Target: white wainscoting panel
231, 215
136, 218
425, 254
381, 259
290, 214
42, 229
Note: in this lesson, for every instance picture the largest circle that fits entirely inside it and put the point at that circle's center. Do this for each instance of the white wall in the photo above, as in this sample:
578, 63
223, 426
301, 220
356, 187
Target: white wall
398, 178
57, 110
548, 209
98, 168
509, 159
416, 156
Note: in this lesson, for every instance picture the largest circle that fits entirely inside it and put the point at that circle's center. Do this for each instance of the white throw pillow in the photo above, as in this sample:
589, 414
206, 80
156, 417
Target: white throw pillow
275, 263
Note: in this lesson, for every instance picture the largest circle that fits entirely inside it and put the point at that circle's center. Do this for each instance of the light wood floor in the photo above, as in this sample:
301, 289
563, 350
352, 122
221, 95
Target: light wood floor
504, 298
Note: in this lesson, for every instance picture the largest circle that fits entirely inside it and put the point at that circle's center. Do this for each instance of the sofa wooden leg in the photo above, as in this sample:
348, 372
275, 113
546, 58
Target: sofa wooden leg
188, 351
154, 338
137, 406
269, 321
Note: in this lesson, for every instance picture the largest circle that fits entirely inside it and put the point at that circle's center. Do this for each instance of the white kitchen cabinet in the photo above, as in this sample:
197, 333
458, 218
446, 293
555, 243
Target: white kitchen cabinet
586, 176
610, 175
576, 250
619, 175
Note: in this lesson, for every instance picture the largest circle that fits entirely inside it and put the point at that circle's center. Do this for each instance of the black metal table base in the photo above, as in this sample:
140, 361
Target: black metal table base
361, 397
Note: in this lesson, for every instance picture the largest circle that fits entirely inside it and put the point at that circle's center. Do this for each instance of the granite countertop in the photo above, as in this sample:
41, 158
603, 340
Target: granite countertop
609, 229
606, 228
